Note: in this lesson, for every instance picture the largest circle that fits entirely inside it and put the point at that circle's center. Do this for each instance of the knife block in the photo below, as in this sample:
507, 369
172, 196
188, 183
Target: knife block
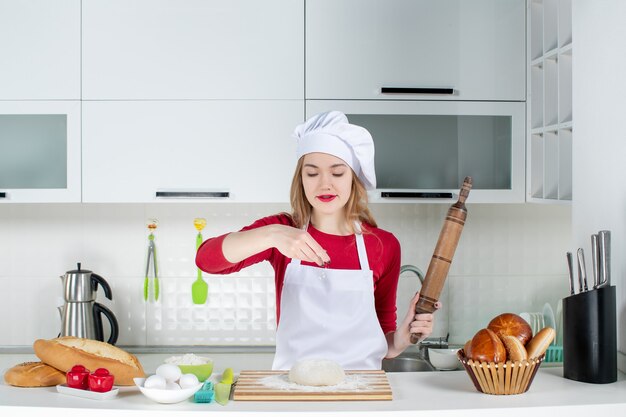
590, 336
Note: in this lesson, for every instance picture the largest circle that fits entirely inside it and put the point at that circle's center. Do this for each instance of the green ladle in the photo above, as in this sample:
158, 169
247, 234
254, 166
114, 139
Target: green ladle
199, 288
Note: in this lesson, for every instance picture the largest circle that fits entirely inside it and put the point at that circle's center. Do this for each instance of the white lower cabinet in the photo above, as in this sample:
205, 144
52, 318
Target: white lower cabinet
235, 150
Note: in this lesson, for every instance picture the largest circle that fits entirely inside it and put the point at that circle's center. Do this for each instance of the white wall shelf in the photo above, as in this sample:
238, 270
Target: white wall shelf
550, 118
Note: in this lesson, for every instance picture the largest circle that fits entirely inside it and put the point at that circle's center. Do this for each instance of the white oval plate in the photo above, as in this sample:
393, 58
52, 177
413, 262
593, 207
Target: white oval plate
549, 319
83, 393
526, 317
559, 323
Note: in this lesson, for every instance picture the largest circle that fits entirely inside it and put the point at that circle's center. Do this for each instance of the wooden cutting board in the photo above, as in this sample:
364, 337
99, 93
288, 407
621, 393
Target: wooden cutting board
274, 386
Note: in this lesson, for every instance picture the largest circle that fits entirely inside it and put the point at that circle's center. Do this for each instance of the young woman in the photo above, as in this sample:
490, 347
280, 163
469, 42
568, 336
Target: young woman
336, 272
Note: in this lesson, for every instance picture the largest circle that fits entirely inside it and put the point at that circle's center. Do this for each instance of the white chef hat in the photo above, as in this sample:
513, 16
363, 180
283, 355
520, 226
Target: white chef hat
331, 133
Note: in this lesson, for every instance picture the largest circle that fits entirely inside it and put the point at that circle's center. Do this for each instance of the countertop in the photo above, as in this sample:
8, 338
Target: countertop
414, 393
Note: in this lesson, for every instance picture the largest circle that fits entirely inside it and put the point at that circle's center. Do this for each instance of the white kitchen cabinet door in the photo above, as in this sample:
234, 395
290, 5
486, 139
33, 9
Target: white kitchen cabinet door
193, 49
39, 49
425, 149
134, 149
476, 49
40, 151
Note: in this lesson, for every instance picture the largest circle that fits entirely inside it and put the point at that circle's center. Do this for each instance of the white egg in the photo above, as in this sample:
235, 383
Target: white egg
172, 386
171, 373
155, 381
188, 381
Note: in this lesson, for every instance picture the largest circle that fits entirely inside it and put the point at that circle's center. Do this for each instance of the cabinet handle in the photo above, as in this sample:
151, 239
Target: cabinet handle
192, 194
3, 194
412, 194
409, 90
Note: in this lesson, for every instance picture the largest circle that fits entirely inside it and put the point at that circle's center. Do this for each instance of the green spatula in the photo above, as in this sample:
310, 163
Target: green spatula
199, 288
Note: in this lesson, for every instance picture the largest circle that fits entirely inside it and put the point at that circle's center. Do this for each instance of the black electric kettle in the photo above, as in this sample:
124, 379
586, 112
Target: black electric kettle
81, 316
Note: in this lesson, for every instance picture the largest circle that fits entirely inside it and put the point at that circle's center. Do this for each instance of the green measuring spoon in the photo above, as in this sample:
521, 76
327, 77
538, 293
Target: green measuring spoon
199, 288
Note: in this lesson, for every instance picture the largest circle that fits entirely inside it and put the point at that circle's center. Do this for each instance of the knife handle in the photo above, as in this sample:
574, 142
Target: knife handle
595, 260
604, 245
582, 270
570, 270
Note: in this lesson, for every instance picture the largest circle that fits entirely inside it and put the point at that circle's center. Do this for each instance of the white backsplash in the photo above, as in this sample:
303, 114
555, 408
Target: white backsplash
510, 258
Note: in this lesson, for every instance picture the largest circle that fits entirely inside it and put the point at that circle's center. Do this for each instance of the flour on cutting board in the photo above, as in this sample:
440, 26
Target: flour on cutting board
351, 383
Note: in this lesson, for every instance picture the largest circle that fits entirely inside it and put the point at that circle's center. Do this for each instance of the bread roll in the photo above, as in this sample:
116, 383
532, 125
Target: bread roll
467, 348
540, 342
515, 351
487, 347
509, 324
34, 374
65, 352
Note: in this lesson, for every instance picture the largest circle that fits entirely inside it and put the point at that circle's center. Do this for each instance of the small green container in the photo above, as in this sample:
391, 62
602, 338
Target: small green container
201, 371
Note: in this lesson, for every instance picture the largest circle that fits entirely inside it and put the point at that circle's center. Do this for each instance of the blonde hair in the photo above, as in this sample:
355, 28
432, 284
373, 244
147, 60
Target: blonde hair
355, 209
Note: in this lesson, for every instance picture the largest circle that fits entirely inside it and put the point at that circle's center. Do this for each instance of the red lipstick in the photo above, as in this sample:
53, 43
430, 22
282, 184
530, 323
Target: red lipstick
326, 198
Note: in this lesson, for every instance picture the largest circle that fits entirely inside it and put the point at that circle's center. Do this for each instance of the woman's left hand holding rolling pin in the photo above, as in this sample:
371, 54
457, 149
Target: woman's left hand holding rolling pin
412, 323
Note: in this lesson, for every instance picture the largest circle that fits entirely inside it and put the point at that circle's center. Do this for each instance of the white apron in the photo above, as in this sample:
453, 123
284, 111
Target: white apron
330, 314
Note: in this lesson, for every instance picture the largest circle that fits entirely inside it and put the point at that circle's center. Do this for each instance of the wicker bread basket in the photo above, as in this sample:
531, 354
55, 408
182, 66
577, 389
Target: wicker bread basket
501, 378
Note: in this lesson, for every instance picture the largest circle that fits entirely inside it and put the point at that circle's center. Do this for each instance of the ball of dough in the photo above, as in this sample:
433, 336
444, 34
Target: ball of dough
316, 372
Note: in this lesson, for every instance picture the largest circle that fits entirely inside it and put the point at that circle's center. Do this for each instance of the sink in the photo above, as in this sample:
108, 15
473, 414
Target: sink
407, 364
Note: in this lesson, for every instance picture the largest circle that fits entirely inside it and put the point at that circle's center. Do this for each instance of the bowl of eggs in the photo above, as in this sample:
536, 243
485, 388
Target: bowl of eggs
168, 385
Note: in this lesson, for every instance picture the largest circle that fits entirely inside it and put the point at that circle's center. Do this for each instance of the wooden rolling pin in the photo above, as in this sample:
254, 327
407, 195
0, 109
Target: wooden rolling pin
444, 252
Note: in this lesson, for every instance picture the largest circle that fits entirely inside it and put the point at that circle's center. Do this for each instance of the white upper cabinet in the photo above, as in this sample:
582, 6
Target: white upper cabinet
425, 149
40, 151
151, 151
476, 49
193, 49
39, 49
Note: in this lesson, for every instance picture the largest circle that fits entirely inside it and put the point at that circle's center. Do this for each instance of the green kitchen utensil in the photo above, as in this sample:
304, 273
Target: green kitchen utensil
227, 376
151, 259
199, 288
222, 392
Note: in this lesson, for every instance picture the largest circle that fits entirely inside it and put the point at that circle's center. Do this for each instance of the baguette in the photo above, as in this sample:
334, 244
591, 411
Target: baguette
33, 374
65, 352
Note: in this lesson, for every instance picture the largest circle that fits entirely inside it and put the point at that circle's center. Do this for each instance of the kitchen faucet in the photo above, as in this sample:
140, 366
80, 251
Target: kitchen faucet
414, 269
